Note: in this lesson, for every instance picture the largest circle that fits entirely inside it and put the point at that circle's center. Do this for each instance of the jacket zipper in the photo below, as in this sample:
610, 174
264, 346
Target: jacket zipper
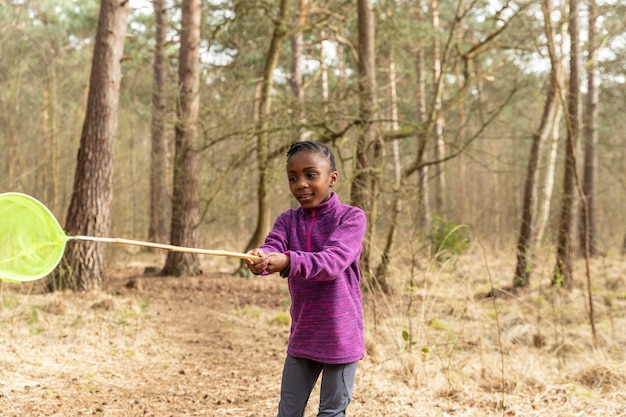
308, 237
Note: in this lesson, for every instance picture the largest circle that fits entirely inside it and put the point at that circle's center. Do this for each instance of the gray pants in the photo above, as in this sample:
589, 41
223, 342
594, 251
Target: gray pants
299, 378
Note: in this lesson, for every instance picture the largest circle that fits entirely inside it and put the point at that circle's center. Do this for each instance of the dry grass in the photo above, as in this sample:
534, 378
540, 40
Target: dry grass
214, 345
523, 354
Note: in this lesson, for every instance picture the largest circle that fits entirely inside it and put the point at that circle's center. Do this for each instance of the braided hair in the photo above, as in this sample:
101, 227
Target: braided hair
309, 146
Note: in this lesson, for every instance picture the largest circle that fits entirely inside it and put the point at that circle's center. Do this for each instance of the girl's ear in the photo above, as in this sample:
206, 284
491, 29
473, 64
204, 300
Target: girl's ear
334, 176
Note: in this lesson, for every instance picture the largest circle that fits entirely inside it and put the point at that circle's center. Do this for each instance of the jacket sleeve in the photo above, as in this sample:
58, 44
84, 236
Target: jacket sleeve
278, 239
341, 249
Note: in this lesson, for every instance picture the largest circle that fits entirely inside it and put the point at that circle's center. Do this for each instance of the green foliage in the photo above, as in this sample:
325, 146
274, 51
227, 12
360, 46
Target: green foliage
408, 343
557, 279
448, 239
437, 325
281, 319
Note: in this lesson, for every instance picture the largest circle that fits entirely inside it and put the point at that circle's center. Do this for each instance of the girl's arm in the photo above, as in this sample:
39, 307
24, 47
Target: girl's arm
274, 249
341, 249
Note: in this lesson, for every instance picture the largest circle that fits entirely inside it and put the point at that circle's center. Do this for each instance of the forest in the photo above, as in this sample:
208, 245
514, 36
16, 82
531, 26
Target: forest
482, 138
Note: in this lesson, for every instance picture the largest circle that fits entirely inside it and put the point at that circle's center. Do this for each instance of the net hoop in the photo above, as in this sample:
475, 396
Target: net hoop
35, 254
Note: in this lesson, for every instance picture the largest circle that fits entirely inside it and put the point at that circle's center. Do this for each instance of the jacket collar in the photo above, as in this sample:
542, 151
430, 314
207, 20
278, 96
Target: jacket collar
327, 206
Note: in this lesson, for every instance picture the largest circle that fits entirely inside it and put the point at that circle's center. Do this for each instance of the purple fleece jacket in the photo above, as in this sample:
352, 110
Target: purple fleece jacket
324, 244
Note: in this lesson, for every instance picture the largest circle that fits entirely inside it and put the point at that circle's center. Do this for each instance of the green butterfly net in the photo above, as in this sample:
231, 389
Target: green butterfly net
32, 241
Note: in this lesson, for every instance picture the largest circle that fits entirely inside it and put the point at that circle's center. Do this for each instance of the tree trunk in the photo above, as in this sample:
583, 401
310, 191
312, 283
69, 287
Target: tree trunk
361, 187
295, 81
185, 210
546, 126
342, 90
563, 273
587, 226
423, 193
439, 149
50, 175
461, 72
90, 206
324, 76
544, 202
160, 202
14, 160
381, 270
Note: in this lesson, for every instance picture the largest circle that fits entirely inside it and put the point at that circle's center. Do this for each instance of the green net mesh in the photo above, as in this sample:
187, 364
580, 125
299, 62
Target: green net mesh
31, 240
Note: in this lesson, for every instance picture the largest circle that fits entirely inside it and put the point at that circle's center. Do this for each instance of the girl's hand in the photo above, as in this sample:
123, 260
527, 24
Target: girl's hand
277, 262
259, 265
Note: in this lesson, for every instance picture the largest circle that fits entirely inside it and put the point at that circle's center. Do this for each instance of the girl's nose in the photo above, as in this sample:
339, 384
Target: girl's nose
302, 183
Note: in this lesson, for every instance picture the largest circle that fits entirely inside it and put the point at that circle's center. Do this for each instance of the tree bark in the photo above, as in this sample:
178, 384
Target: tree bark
362, 185
185, 200
324, 76
296, 80
587, 226
522, 274
461, 71
90, 206
160, 202
14, 160
439, 149
423, 191
50, 175
385, 259
547, 187
563, 270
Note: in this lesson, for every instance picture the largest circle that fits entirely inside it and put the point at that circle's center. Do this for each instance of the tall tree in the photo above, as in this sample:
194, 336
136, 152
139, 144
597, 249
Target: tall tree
296, 80
544, 201
160, 202
185, 200
563, 270
590, 137
90, 207
423, 200
392, 93
14, 158
460, 73
438, 173
364, 162
539, 138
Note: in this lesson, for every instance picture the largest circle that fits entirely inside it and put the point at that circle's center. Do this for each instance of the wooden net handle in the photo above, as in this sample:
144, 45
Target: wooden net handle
172, 248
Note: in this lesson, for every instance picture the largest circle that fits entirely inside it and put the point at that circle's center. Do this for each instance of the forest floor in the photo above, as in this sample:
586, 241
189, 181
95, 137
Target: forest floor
214, 345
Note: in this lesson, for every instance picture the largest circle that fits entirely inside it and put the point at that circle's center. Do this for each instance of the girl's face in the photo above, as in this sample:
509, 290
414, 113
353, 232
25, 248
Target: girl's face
310, 178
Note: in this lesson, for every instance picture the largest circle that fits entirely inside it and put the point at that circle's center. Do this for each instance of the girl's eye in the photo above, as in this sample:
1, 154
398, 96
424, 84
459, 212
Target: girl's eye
312, 175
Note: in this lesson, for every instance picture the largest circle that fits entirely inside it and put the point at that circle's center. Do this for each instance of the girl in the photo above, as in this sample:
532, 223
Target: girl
317, 248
